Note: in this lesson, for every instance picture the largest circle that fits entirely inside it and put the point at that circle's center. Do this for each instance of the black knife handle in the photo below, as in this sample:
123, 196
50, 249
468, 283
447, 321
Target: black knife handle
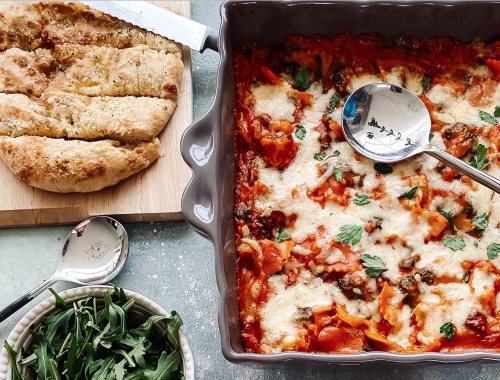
211, 40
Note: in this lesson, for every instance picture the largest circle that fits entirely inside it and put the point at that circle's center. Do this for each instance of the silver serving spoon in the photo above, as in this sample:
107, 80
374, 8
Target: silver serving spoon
93, 254
388, 123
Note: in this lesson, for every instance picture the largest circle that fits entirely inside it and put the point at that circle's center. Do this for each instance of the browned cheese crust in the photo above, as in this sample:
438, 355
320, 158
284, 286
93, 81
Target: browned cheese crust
67, 166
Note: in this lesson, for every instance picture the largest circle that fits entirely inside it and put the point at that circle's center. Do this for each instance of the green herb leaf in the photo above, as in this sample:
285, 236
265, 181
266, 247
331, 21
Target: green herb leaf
410, 193
426, 83
282, 235
493, 250
301, 80
383, 168
374, 265
479, 161
58, 322
476, 244
300, 133
486, 117
447, 330
449, 218
59, 301
466, 277
333, 101
481, 221
349, 233
41, 352
145, 328
336, 153
338, 173
174, 323
362, 200
454, 243
54, 372
431, 135
166, 365
102, 367
320, 156
12, 358
497, 111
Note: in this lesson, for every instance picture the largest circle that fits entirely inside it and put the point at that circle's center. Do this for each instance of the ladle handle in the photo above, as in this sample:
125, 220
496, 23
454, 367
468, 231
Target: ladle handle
19, 303
477, 175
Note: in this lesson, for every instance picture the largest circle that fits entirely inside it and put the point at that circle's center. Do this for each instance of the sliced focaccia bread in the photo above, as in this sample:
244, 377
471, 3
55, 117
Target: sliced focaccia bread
20, 25
56, 114
66, 166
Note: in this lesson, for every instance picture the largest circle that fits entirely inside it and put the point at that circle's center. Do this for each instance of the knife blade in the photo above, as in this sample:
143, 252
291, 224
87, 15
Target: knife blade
160, 21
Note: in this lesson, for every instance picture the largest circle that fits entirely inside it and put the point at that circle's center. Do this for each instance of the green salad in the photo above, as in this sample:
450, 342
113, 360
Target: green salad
86, 342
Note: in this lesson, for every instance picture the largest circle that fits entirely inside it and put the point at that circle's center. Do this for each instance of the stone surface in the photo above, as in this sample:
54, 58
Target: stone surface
173, 266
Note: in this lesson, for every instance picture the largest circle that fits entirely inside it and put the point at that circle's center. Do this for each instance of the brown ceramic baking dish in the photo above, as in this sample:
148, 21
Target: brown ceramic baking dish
208, 145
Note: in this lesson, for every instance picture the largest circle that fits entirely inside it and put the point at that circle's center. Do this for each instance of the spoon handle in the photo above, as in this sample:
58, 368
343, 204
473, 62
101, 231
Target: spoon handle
477, 175
19, 303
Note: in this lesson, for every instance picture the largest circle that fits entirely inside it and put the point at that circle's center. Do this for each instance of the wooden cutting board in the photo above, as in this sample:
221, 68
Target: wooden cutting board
151, 195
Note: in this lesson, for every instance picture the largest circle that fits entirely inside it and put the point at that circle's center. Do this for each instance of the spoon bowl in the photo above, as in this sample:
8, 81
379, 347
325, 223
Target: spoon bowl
388, 123
93, 254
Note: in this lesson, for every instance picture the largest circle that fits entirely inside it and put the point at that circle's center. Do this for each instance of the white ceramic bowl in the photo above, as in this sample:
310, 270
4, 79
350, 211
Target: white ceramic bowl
20, 336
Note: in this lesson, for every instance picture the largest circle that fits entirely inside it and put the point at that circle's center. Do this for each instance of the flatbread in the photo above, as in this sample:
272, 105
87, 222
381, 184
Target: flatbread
60, 114
67, 166
20, 25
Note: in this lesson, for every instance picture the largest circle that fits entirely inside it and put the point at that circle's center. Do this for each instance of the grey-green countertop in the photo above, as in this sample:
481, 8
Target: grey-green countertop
173, 266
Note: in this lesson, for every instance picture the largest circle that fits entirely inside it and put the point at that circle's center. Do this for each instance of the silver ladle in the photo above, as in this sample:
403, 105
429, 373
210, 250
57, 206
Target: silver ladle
388, 123
93, 254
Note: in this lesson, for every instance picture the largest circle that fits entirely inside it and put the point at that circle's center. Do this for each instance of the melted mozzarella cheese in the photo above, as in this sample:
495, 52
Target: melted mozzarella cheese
274, 101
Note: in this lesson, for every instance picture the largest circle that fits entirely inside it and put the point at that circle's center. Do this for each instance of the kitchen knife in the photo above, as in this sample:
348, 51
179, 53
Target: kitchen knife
160, 21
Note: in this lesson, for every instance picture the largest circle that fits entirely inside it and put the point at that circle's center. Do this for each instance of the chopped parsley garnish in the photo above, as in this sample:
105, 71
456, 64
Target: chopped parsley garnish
300, 133
349, 233
383, 168
283, 235
431, 135
338, 173
479, 161
374, 265
426, 83
454, 243
449, 218
466, 277
336, 153
320, 156
497, 111
362, 200
333, 101
493, 250
476, 244
301, 80
410, 193
481, 221
447, 330
486, 117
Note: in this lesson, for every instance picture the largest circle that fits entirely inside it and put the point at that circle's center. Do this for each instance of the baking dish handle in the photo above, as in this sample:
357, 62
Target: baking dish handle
199, 200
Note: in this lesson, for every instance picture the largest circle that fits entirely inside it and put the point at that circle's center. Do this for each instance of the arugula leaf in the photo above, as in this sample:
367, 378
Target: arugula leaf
374, 265
456, 243
73, 364
486, 117
383, 168
178, 375
135, 375
493, 250
54, 372
166, 365
426, 83
333, 101
338, 173
301, 80
300, 133
12, 358
362, 200
466, 277
447, 330
282, 235
101, 367
59, 301
349, 233
497, 111
145, 328
56, 322
336, 153
431, 135
319, 156
117, 330
174, 323
43, 356
449, 218
479, 161
410, 193
481, 221
120, 370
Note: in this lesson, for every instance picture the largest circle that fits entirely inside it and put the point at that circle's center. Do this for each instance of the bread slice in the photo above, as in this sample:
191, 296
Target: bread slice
60, 114
21, 25
67, 166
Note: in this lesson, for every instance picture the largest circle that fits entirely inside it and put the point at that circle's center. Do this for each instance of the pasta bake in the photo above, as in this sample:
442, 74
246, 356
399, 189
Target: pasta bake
341, 254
